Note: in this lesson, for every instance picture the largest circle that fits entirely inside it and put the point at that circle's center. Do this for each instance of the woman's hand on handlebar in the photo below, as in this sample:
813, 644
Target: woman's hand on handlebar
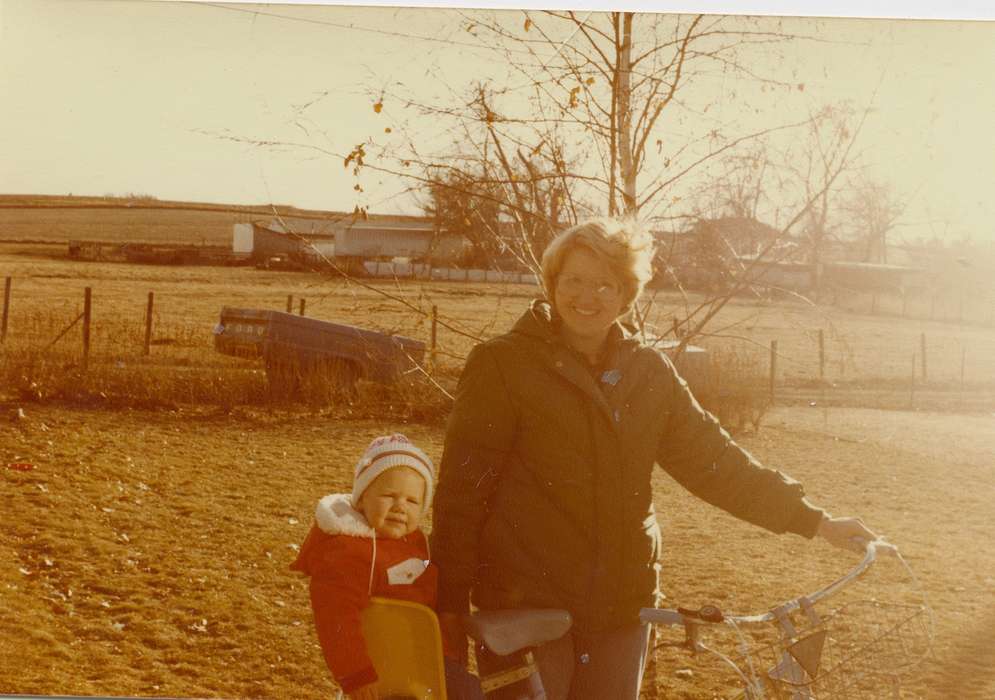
454, 636
847, 533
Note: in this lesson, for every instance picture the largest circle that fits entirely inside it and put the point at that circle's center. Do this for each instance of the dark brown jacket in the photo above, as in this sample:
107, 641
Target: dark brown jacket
544, 495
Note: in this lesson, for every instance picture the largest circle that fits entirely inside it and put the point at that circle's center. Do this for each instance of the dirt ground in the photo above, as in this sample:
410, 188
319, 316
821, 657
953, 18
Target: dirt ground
146, 553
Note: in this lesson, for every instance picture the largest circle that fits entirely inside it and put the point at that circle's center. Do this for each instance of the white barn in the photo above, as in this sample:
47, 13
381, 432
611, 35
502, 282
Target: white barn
380, 238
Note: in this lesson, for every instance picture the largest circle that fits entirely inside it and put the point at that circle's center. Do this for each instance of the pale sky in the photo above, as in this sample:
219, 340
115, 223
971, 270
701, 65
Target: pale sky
108, 97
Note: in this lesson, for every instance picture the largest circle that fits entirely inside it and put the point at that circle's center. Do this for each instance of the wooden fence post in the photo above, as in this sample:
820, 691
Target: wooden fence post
963, 360
912, 382
148, 325
290, 303
6, 310
923, 344
773, 368
301, 312
87, 300
822, 355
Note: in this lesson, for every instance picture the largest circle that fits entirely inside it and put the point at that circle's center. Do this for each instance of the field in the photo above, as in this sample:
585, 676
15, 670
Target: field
136, 219
128, 219
146, 550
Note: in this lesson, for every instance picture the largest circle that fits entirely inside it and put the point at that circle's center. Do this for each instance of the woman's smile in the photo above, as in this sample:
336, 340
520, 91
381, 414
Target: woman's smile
588, 299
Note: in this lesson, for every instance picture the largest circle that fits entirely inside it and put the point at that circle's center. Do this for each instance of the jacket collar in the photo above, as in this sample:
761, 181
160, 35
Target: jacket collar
336, 516
541, 321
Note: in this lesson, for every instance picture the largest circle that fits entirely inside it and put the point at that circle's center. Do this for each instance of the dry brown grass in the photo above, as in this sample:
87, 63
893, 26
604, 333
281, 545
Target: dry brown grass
33, 378
120, 226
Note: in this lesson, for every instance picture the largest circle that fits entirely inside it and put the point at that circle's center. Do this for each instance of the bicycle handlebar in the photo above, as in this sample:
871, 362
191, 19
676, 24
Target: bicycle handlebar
680, 616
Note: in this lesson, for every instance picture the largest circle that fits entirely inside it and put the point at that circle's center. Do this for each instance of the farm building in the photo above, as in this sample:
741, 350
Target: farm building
802, 277
273, 241
779, 274
713, 252
386, 239
871, 276
345, 238
740, 236
708, 252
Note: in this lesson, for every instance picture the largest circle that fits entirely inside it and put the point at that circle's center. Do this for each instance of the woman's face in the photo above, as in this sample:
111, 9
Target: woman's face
588, 296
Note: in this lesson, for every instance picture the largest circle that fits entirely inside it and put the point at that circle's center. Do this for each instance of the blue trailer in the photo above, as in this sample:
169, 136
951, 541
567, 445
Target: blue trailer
298, 348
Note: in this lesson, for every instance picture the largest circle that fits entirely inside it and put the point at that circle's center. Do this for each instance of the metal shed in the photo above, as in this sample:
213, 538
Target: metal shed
366, 239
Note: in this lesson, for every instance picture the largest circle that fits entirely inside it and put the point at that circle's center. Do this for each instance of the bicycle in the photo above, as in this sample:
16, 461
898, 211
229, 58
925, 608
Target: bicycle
801, 649
808, 649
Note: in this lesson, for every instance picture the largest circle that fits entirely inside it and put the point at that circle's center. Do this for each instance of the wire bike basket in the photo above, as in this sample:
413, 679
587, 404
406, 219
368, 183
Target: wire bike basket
861, 645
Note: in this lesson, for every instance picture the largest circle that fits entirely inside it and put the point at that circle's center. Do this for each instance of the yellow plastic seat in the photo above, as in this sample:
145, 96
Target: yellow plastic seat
405, 644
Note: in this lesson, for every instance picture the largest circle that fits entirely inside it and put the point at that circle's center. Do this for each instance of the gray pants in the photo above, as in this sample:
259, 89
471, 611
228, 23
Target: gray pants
606, 666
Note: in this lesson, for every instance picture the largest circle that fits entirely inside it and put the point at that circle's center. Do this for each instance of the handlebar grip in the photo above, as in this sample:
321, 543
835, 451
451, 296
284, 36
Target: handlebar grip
883, 547
660, 616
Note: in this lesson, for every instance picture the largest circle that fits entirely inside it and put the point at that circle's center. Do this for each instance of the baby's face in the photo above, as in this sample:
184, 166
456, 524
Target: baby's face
392, 504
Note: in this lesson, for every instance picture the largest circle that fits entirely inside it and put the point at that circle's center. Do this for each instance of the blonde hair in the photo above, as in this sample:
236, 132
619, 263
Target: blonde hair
623, 244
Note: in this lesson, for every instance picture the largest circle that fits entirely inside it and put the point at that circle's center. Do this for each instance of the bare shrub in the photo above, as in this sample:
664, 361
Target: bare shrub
414, 398
32, 375
734, 387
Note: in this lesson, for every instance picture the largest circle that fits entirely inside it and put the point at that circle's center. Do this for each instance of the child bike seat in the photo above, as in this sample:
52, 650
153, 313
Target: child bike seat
405, 645
507, 631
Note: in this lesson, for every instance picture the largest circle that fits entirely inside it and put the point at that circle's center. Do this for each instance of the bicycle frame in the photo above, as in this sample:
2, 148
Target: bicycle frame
513, 677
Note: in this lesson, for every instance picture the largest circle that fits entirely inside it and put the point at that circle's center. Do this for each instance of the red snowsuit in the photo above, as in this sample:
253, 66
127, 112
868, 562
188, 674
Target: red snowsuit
338, 555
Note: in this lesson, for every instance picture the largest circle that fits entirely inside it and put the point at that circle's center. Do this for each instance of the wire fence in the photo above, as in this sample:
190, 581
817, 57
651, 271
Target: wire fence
794, 346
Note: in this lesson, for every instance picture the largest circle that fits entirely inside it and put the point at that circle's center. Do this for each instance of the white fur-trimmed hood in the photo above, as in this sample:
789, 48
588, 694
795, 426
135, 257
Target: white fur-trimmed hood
336, 516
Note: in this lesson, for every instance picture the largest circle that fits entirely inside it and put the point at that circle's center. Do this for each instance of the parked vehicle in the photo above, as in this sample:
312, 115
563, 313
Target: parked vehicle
298, 348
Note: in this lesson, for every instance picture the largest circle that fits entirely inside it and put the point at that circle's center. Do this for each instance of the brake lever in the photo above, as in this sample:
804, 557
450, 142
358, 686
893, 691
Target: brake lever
706, 613
693, 620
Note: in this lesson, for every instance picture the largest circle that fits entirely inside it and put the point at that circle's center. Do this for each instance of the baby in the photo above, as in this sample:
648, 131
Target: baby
368, 543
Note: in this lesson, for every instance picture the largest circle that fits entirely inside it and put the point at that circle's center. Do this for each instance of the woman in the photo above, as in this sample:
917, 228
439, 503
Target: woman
544, 497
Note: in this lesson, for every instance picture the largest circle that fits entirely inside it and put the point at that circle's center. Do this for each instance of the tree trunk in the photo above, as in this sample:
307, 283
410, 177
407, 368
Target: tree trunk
623, 117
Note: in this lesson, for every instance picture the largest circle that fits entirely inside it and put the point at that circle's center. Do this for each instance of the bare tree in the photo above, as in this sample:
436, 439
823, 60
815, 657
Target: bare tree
815, 165
468, 205
740, 186
834, 132
600, 101
873, 210
588, 114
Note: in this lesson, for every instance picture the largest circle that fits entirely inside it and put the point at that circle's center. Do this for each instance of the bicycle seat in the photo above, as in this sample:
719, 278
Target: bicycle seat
507, 631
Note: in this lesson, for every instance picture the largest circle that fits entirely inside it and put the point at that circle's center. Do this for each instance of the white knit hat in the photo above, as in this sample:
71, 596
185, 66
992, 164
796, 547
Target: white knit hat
385, 453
